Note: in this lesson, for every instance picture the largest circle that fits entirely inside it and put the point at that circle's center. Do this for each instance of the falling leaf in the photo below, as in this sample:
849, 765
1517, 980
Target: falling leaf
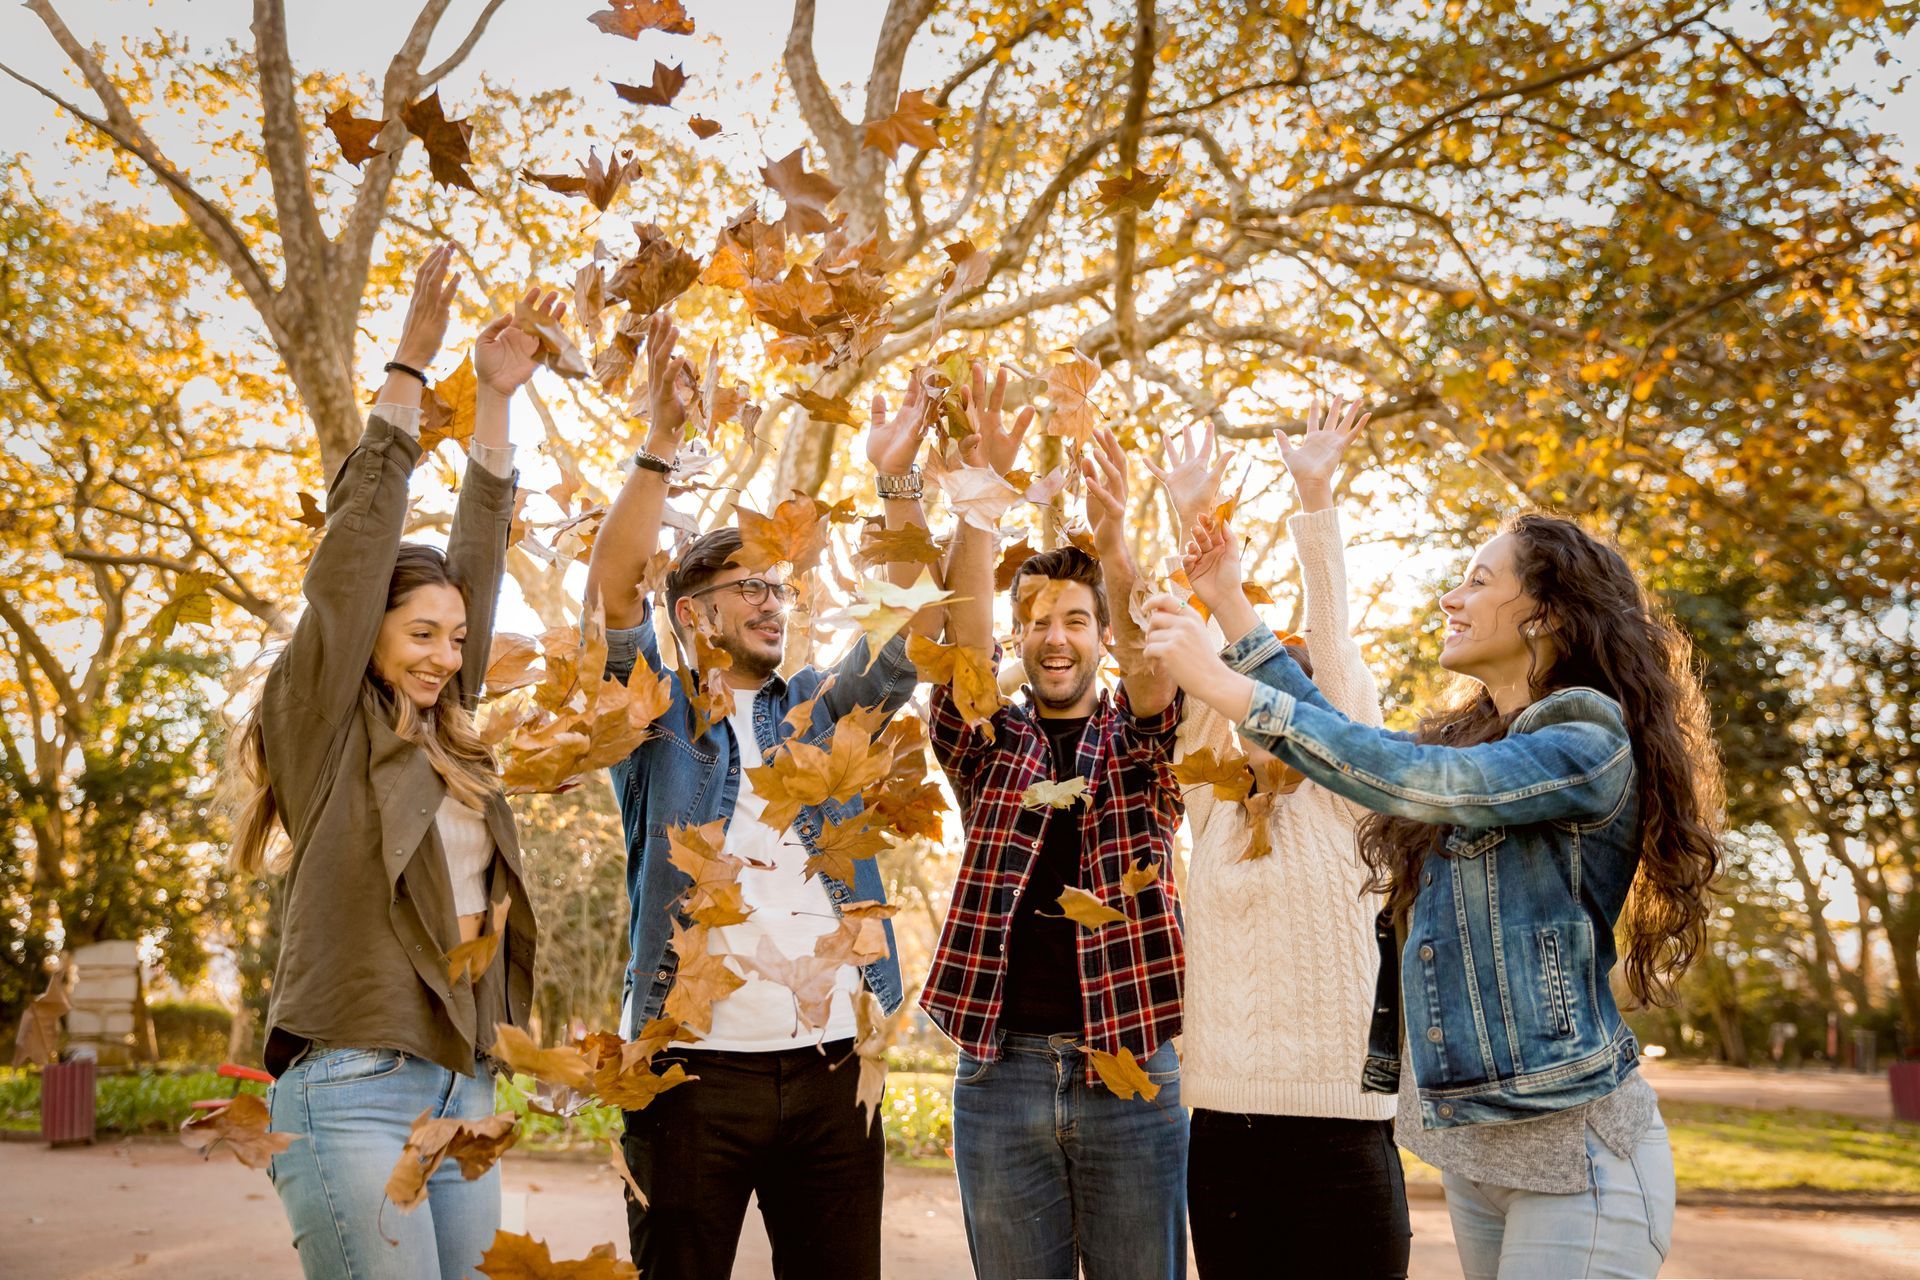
666, 86
978, 495
803, 774
1230, 777
1010, 561
1133, 190
630, 17
242, 1125
446, 141
970, 672
873, 1032
310, 513
658, 272
449, 408
857, 940
557, 350
38, 1037
599, 184
812, 981
906, 806
807, 194
703, 128
517, 1257
1122, 1073
1138, 877
701, 979
619, 1163
636, 1088
714, 897
510, 662
472, 958
841, 845
824, 408
1055, 795
562, 1064
1259, 838
355, 134
476, 1144
1069, 386
910, 125
909, 544
794, 535
884, 609
1086, 910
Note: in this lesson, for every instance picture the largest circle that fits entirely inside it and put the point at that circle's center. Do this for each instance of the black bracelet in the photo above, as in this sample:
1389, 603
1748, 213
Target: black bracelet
652, 462
394, 366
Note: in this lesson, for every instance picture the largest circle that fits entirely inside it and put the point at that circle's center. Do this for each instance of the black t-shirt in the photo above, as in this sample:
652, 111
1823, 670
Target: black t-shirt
1042, 994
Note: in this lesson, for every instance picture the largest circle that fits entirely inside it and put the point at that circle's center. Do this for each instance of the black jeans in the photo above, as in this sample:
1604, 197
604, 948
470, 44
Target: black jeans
1295, 1195
780, 1126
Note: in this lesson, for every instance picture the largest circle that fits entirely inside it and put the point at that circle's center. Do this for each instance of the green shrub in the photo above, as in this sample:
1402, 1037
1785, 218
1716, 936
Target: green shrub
591, 1127
918, 1114
143, 1101
191, 1033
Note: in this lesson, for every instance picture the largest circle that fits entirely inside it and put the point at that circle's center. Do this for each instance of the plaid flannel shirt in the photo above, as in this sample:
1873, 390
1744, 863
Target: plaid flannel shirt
1131, 973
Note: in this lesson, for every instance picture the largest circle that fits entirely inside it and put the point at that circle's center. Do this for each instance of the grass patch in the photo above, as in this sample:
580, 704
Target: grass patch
132, 1102
1719, 1148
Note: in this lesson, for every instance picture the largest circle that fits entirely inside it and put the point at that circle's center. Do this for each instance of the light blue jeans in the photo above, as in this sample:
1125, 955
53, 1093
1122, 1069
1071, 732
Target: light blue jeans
1621, 1225
353, 1109
1057, 1175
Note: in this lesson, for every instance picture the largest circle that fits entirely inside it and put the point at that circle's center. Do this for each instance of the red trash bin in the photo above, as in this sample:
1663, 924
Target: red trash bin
1905, 1079
67, 1099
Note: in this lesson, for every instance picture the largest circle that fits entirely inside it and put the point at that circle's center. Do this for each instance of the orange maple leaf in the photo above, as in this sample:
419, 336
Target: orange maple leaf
794, 535
910, 125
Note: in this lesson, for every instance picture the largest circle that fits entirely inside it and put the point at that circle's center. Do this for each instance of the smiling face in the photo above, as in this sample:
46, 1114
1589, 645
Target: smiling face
1492, 632
420, 644
754, 635
1060, 644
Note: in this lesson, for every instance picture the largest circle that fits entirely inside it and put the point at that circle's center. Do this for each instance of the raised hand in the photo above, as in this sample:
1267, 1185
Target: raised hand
1105, 471
1180, 644
893, 443
504, 355
667, 416
1211, 560
1193, 473
1313, 459
425, 327
993, 444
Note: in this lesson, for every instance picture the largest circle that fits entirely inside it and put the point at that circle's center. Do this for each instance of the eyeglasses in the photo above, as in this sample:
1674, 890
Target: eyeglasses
754, 591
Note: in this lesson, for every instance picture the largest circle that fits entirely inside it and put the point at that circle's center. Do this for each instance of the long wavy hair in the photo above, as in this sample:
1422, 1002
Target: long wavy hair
1608, 636
444, 731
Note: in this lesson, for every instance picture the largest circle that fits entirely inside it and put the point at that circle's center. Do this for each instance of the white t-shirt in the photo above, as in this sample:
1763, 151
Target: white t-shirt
788, 909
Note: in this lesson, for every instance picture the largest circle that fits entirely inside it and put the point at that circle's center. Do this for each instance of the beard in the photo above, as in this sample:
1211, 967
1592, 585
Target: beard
750, 662
1077, 691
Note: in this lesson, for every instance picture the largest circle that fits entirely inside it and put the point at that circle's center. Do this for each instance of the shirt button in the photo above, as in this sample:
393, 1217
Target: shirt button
1426, 953
1433, 1034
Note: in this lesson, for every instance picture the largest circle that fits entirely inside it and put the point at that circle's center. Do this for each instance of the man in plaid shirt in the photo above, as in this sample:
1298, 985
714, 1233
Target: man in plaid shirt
1057, 1170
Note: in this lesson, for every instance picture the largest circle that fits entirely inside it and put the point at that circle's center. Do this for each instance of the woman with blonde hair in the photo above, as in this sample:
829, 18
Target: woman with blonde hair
399, 846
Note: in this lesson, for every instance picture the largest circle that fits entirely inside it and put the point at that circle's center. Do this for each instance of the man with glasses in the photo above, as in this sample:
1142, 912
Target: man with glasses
772, 1111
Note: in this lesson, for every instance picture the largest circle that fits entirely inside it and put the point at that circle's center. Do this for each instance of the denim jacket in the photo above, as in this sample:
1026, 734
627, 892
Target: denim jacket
675, 779
1502, 976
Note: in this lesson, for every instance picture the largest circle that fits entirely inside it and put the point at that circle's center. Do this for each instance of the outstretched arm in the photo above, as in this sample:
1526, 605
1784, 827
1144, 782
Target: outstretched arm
630, 535
1149, 688
1193, 473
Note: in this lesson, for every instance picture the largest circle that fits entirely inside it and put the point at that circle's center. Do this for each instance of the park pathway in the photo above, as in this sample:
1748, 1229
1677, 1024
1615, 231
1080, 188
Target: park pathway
151, 1210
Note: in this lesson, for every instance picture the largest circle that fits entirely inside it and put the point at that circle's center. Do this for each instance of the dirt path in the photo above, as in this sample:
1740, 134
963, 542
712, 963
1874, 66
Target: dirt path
1846, 1092
150, 1209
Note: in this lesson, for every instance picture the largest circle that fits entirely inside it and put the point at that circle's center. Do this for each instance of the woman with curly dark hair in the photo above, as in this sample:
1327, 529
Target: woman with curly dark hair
1569, 790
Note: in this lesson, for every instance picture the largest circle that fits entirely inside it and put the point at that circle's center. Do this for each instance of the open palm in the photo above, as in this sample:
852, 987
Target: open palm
505, 355
1315, 456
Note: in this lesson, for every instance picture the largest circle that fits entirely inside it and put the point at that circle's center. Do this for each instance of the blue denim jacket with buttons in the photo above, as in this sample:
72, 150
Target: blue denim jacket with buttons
1502, 977
674, 779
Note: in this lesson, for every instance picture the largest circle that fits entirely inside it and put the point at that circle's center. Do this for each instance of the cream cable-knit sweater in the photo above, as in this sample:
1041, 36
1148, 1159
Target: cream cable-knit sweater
1280, 951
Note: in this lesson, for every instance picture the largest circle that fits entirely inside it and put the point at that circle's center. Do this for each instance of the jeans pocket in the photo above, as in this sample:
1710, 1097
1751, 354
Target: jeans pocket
355, 1066
1163, 1065
968, 1069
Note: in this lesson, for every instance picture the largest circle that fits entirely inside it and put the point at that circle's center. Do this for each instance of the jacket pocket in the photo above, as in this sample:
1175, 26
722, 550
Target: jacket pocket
1556, 995
1466, 842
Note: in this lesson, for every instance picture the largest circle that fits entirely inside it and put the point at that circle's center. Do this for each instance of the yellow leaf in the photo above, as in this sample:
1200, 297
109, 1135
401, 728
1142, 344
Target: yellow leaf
1054, 795
1086, 910
1122, 1073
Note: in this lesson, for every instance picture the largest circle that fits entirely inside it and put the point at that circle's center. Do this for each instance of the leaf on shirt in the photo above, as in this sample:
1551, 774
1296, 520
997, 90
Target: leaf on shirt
1122, 1073
1279, 777
243, 1125
1086, 910
841, 845
701, 979
909, 544
811, 979
1055, 795
874, 1031
884, 610
518, 1257
714, 897
802, 773
1138, 876
562, 1064
794, 535
970, 673
475, 956
1230, 776
475, 1144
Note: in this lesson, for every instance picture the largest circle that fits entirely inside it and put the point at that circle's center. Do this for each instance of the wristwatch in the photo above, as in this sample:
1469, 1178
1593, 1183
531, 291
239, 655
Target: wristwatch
908, 487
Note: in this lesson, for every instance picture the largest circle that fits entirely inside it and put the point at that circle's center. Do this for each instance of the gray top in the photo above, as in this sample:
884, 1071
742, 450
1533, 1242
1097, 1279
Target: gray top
1548, 1154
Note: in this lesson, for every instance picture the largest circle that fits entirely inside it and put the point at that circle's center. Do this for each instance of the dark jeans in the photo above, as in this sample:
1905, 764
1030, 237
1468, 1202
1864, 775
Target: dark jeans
1059, 1177
783, 1127
1308, 1195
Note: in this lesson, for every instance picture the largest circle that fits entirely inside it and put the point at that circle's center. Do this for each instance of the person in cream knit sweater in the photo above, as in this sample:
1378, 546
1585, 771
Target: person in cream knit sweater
1281, 955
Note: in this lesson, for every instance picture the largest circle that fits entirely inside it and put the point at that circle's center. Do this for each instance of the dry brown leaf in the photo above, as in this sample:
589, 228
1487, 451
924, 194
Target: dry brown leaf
562, 1064
474, 957
1010, 561
905, 806
803, 774
841, 845
666, 86
702, 127
970, 673
629, 18
636, 1088
517, 1257
596, 183
874, 1031
910, 125
979, 495
658, 272
824, 408
619, 1163
701, 979
1231, 777
807, 194
448, 410
1122, 1073
242, 1125
1086, 910
1069, 388
1138, 877
714, 897
557, 350
446, 141
355, 134
476, 1144
794, 535
1055, 795
909, 544
1132, 190
511, 662
811, 980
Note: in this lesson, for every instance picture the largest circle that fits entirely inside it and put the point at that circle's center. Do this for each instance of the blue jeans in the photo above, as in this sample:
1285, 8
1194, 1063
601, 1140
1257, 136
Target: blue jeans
1621, 1225
1056, 1174
353, 1109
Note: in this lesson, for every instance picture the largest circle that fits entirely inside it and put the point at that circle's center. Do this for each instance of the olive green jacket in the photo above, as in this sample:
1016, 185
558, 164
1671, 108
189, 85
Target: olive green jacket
367, 913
